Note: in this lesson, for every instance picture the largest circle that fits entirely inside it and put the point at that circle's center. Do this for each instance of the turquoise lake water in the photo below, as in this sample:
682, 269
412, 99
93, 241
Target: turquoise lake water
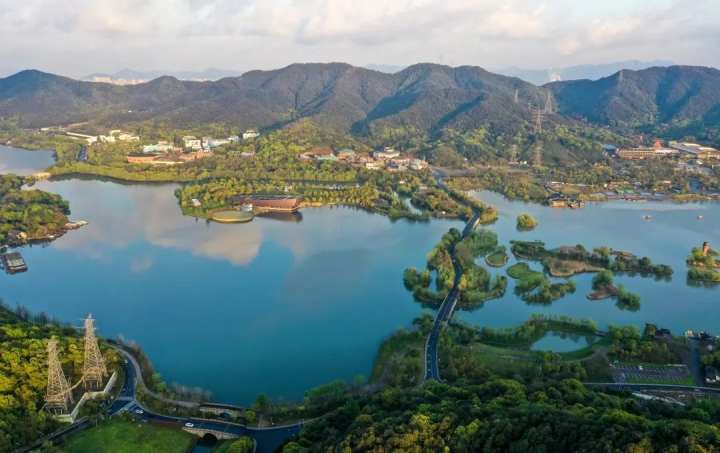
279, 306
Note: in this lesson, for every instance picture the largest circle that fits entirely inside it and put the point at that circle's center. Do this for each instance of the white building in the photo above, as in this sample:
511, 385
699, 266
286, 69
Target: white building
387, 153
250, 134
191, 142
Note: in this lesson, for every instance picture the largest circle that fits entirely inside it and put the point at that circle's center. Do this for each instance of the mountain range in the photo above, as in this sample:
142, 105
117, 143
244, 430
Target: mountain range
426, 98
133, 77
579, 72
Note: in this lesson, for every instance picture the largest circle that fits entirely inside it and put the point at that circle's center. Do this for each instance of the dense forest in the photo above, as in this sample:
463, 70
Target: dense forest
26, 215
23, 372
507, 415
499, 395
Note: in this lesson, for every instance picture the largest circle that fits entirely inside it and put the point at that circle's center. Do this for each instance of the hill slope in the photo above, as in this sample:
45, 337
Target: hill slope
649, 97
424, 97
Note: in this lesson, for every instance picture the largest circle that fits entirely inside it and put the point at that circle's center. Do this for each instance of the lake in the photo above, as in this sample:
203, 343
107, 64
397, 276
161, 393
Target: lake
278, 306
667, 239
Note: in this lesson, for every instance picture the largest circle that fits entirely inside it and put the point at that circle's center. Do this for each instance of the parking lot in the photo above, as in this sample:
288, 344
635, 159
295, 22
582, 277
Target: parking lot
651, 374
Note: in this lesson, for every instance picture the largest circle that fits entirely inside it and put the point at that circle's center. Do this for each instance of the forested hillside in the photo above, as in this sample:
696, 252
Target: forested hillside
676, 100
506, 415
473, 112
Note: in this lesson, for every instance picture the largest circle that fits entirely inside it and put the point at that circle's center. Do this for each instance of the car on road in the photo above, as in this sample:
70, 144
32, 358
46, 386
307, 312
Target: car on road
189, 425
139, 411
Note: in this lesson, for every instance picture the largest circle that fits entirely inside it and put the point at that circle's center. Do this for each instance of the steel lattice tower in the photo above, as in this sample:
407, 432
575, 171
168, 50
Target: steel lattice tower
537, 155
58, 395
549, 104
94, 367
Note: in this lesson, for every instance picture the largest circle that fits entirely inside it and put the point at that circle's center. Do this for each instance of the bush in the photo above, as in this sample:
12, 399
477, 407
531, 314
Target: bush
526, 222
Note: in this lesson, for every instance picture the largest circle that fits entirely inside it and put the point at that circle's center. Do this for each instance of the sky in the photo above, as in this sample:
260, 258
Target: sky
78, 37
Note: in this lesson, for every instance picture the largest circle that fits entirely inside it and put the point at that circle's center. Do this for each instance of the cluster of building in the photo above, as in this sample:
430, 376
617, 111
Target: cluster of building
193, 148
388, 159
113, 136
674, 149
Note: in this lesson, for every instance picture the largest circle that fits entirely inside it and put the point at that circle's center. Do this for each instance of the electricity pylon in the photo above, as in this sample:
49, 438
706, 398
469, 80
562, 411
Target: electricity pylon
548, 104
514, 154
538, 116
58, 396
94, 369
537, 155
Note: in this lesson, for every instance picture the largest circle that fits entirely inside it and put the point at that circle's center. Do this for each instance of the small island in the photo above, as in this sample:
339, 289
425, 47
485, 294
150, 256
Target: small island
566, 261
604, 288
703, 265
535, 287
498, 257
526, 222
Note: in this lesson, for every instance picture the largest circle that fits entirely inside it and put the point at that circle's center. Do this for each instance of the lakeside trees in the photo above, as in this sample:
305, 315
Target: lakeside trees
27, 215
476, 285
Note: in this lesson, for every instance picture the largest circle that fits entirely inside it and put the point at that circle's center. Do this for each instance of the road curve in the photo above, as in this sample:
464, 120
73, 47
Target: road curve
445, 312
266, 439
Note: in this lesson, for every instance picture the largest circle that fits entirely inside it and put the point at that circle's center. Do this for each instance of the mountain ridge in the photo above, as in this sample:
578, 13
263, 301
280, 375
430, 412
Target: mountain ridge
425, 98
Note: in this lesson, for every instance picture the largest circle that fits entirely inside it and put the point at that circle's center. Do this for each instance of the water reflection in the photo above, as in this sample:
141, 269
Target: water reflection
24, 163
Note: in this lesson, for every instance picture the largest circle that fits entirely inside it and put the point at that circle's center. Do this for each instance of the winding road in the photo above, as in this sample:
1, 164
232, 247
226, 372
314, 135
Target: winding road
432, 368
266, 439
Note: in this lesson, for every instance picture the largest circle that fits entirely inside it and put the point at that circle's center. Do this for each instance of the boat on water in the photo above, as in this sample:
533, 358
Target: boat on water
647, 217
700, 217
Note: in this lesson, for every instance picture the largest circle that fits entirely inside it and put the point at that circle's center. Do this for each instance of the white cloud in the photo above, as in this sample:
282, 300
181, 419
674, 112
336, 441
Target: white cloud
271, 33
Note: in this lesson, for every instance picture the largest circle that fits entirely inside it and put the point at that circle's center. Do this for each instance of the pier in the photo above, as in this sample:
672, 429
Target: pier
13, 263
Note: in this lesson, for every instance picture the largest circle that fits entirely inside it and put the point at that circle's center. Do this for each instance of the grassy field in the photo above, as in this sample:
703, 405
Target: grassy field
497, 258
122, 436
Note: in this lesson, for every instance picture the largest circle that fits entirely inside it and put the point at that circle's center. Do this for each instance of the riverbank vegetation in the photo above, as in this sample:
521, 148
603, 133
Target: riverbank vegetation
534, 287
534, 329
490, 388
476, 284
570, 260
498, 257
29, 215
604, 287
629, 345
23, 372
526, 222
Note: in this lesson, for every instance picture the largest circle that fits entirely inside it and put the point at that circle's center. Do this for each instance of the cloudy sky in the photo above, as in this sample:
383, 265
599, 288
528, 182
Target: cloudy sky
77, 37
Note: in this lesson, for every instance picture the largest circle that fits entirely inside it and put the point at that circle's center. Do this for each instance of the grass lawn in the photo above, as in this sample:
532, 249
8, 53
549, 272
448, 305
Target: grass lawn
121, 436
498, 258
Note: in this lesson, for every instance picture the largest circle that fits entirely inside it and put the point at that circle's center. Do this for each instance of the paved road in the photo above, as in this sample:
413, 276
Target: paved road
267, 439
432, 368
